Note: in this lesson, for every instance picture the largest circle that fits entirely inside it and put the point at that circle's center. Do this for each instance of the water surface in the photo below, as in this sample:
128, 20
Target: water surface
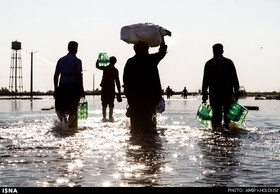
35, 151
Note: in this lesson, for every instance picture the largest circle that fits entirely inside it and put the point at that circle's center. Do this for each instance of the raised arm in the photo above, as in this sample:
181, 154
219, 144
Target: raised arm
161, 53
99, 67
163, 47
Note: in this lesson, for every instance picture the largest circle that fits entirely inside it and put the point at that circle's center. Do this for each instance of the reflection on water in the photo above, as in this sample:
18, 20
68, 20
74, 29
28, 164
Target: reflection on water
221, 154
16, 105
146, 158
35, 151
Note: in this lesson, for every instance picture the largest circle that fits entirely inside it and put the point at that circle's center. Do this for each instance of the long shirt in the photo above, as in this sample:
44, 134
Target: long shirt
141, 78
220, 77
110, 78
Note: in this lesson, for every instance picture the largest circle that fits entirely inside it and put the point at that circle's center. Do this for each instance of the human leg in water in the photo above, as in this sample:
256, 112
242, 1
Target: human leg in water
217, 116
111, 110
104, 113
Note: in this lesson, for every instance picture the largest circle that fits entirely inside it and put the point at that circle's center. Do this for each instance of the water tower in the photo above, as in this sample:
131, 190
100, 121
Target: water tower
15, 84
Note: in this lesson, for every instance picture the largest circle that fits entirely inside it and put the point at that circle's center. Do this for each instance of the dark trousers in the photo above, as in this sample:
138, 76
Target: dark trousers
142, 122
220, 106
142, 112
107, 97
220, 113
67, 99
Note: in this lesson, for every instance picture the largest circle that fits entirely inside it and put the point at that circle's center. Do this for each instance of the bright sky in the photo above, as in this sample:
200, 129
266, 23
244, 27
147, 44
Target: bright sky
248, 29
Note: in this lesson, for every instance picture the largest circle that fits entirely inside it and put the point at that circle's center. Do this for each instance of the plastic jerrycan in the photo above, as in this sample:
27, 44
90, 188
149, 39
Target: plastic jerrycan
237, 113
83, 109
161, 106
204, 114
103, 59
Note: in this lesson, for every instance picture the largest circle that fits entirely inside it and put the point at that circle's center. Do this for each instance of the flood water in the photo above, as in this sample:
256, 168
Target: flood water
36, 152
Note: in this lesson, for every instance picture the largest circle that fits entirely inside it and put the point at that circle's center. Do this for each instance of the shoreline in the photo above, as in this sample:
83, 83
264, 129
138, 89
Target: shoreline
257, 95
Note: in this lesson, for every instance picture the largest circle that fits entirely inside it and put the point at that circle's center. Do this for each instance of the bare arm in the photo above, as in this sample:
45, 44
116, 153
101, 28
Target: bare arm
161, 53
55, 80
99, 67
79, 76
118, 83
205, 85
235, 83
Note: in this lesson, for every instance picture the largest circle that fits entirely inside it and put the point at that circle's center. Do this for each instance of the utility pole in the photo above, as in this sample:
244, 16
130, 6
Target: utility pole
93, 83
31, 73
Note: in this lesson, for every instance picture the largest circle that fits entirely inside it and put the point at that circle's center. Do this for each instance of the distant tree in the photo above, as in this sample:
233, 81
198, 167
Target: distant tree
4, 91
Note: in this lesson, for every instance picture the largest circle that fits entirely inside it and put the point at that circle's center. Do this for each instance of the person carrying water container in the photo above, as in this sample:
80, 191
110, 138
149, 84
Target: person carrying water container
109, 78
221, 78
67, 94
142, 87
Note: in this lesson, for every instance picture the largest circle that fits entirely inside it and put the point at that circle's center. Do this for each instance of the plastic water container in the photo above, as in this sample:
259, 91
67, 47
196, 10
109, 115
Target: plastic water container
204, 114
103, 59
161, 106
83, 109
237, 113
145, 32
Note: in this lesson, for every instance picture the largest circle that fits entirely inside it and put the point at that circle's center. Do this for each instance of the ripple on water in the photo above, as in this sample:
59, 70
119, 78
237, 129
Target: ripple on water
36, 152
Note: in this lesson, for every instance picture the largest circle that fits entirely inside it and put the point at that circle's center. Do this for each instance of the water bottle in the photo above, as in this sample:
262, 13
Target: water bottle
83, 109
161, 106
103, 59
204, 114
237, 113
79, 114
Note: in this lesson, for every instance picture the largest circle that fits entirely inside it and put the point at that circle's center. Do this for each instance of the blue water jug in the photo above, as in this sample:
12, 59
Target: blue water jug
204, 114
237, 113
161, 106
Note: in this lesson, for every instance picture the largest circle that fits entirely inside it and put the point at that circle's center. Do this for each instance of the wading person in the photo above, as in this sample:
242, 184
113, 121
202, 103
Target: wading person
221, 79
185, 93
142, 87
168, 92
70, 88
109, 79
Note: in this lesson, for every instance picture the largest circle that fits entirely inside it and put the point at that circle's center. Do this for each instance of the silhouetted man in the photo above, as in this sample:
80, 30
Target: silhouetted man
185, 93
168, 92
142, 87
221, 79
67, 94
110, 77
